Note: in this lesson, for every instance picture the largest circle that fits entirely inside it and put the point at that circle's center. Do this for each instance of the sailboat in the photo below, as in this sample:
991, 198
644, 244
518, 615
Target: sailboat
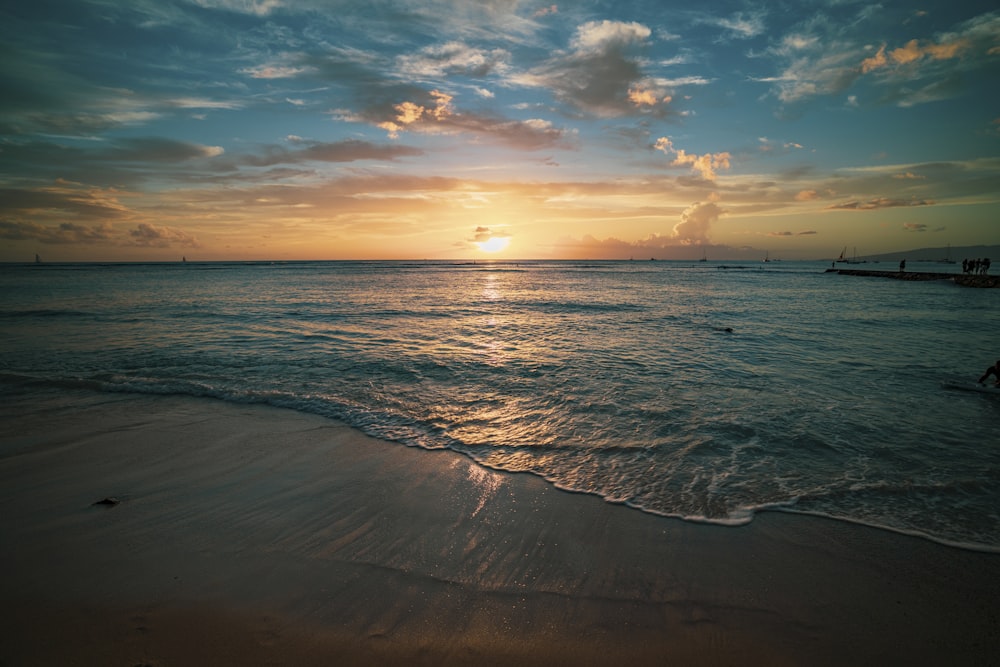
844, 260
704, 256
947, 257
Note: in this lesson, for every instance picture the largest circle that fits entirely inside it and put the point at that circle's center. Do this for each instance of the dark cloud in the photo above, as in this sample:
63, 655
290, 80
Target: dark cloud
350, 150
64, 233
601, 74
879, 203
154, 236
393, 103
67, 200
154, 149
117, 162
788, 233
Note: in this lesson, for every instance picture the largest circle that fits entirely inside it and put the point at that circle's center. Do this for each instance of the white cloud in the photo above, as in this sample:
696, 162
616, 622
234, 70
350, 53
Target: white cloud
696, 223
705, 164
453, 58
254, 7
598, 36
272, 71
742, 25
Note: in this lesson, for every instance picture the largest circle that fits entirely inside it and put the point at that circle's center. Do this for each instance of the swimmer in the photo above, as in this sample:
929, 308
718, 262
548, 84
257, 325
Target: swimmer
993, 370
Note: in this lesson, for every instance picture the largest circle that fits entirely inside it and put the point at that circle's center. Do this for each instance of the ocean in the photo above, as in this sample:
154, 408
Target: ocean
706, 391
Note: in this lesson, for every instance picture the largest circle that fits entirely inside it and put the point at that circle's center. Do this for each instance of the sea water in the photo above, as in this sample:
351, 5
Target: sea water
702, 390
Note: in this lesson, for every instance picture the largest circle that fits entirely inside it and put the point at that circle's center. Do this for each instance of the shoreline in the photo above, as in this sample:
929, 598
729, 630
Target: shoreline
249, 534
962, 279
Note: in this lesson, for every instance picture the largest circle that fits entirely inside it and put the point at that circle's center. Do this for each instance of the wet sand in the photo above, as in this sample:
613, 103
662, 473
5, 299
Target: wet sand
251, 535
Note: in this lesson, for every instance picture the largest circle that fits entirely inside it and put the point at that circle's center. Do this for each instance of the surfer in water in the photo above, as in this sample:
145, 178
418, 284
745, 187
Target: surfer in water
993, 370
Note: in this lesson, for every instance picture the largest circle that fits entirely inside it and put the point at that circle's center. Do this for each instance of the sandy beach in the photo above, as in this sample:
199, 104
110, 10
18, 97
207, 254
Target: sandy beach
252, 535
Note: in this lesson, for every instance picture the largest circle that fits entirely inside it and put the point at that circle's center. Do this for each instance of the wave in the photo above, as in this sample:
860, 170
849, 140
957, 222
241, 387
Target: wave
45, 313
909, 532
394, 426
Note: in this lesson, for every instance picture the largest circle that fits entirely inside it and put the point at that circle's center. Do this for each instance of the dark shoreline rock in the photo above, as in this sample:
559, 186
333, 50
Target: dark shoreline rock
962, 279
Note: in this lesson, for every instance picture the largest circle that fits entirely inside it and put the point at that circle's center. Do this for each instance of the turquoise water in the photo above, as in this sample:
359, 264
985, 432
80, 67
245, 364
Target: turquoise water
696, 390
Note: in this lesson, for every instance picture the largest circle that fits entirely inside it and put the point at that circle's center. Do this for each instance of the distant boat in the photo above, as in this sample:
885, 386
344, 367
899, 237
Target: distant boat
947, 257
38, 260
704, 256
767, 258
844, 260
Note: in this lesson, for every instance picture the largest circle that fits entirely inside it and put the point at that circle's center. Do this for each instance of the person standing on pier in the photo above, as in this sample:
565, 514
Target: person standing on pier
902, 265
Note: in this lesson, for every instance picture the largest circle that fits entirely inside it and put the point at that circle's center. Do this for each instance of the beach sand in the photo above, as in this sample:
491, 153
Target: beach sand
252, 535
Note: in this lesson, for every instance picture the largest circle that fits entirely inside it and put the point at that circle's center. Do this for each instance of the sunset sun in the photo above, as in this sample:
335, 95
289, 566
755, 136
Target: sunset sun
494, 244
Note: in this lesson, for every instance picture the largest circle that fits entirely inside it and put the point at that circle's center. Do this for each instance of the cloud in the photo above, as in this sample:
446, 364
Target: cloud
483, 234
433, 113
111, 162
273, 71
545, 11
453, 58
349, 150
64, 233
411, 113
705, 164
741, 25
253, 7
657, 245
600, 75
824, 58
599, 37
913, 51
696, 222
810, 75
156, 236
156, 149
880, 203
915, 227
65, 200
789, 233
201, 103
392, 103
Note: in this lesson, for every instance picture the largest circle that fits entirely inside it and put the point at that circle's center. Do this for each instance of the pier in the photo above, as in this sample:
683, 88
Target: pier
963, 279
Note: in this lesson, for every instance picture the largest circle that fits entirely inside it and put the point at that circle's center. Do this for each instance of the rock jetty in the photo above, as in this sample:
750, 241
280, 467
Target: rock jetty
965, 280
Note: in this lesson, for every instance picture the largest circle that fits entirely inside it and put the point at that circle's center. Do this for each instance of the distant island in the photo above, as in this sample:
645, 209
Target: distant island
937, 255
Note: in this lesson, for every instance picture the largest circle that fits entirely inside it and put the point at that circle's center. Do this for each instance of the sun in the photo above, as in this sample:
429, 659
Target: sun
494, 243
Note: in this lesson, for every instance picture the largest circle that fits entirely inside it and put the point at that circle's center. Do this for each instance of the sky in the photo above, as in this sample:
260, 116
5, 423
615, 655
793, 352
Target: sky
151, 130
